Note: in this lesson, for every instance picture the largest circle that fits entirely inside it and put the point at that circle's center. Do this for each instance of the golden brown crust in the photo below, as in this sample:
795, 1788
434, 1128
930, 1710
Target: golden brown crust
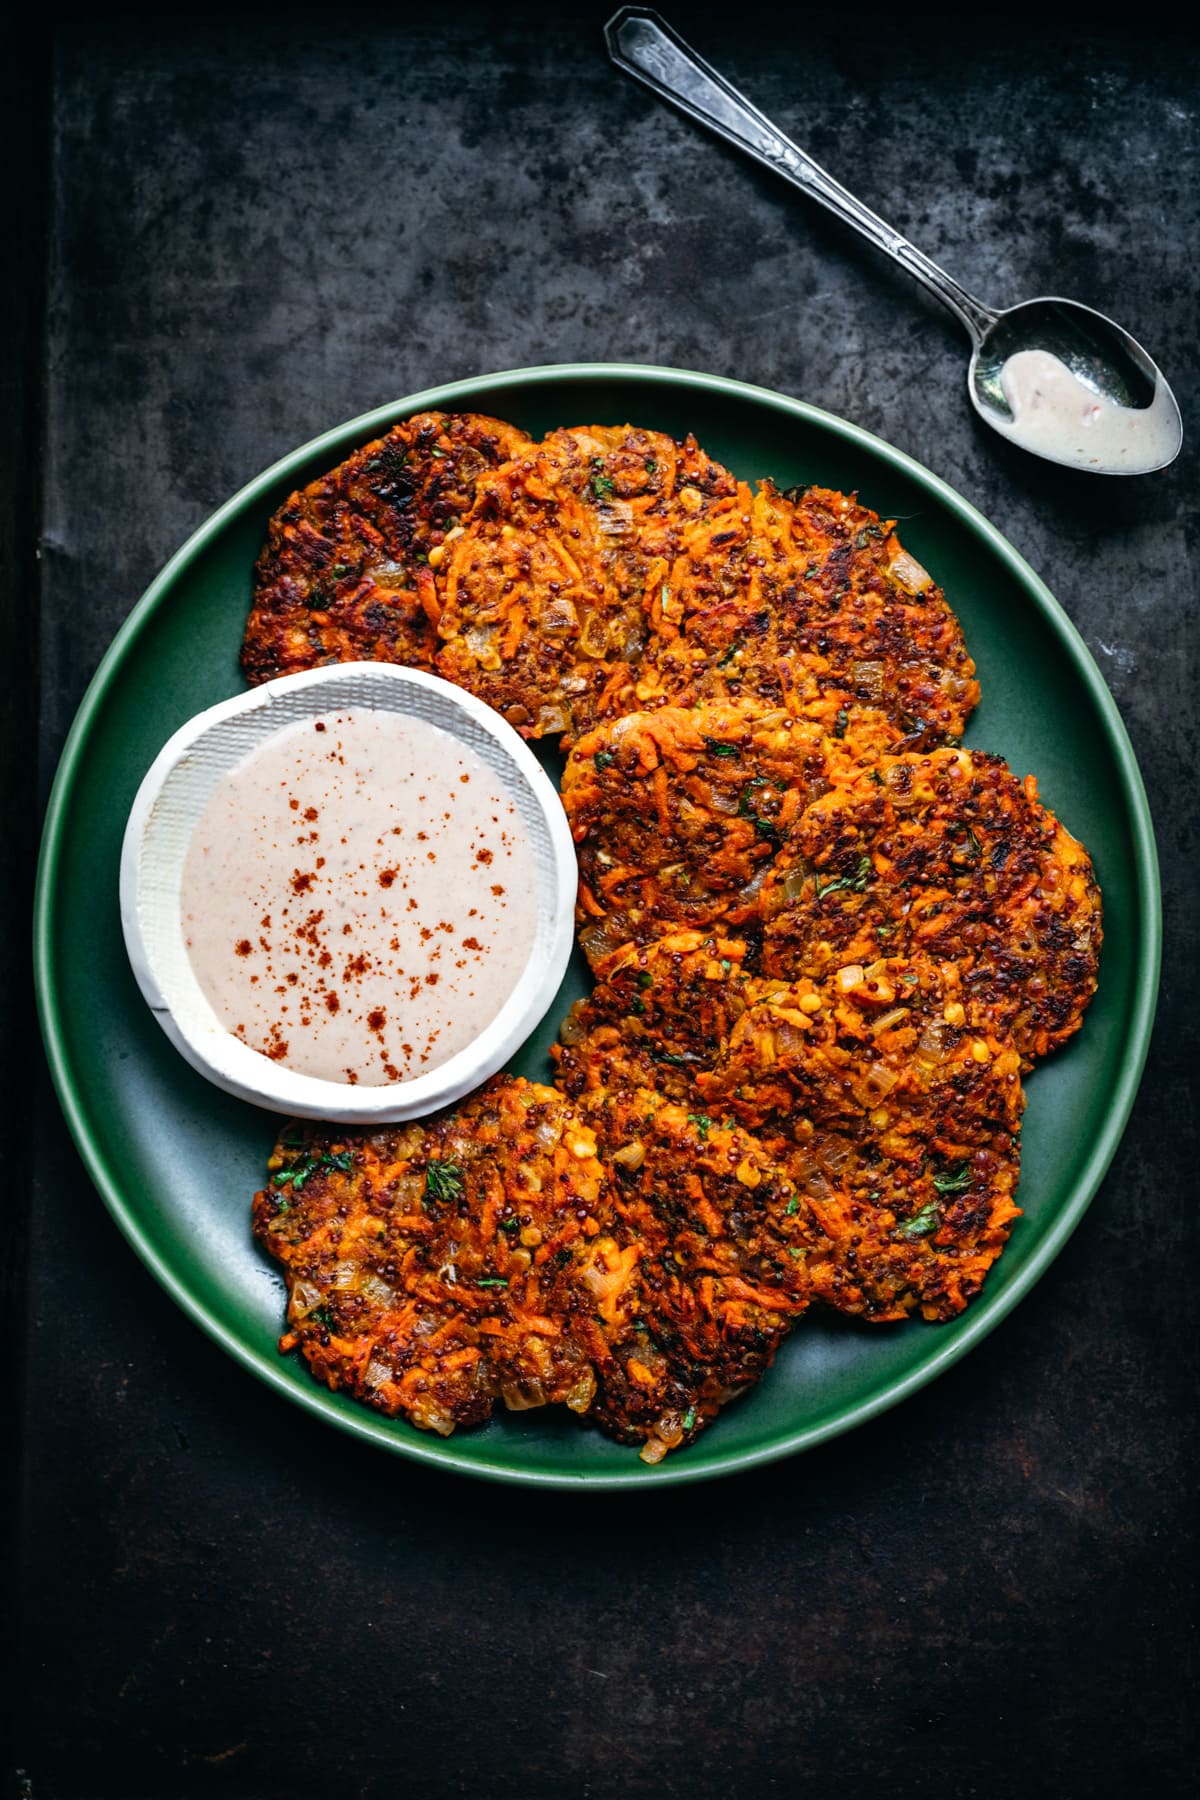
815, 600
895, 1106
345, 573
658, 1015
721, 1239
948, 854
544, 595
429, 1266
678, 815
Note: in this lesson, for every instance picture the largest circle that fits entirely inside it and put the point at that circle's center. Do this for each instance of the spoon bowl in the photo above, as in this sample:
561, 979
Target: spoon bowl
1051, 375
1107, 365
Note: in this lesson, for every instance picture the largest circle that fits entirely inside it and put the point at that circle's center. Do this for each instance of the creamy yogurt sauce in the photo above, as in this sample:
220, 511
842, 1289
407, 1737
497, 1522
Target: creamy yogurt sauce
358, 898
1057, 414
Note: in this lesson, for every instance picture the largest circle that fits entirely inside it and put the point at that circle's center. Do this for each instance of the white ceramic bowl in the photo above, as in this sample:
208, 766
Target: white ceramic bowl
165, 813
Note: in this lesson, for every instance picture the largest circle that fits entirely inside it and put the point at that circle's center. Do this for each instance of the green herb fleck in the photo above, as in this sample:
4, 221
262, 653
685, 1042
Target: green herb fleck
702, 1122
308, 1165
720, 749
921, 1223
728, 655
812, 571
953, 1181
867, 532
840, 722
444, 1181
645, 979
876, 777
604, 758
793, 1206
600, 484
651, 465
510, 1224
492, 1281
851, 884
765, 828
689, 1418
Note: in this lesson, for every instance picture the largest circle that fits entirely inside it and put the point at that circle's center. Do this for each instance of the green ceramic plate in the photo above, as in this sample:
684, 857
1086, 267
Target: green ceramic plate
176, 1162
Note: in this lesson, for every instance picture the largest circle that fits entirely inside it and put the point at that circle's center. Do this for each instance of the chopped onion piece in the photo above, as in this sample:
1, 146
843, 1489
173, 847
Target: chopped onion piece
481, 642
582, 1392
869, 677
375, 1288
875, 1086
909, 573
559, 616
306, 1297
523, 1396
604, 936
593, 635
794, 883
550, 718
572, 1031
615, 519
936, 1040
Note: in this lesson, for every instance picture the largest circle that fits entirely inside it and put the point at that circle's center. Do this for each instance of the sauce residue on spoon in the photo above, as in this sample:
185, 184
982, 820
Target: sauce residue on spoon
1058, 415
358, 897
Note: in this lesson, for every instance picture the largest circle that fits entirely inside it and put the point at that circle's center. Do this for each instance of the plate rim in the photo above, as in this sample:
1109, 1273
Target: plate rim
978, 1325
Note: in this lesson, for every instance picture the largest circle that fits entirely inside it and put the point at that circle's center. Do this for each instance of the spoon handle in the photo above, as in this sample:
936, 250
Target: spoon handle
646, 47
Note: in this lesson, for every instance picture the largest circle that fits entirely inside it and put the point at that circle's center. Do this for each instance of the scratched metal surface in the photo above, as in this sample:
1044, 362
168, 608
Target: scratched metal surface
258, 228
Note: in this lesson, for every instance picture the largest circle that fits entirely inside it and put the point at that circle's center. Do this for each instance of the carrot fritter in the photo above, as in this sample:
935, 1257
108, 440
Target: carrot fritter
679, 814
658, 1015
951, 855
647, 492
722, 1239
434, 1269
430, 1267
895, 1107
544, 594
345, 573
818, 601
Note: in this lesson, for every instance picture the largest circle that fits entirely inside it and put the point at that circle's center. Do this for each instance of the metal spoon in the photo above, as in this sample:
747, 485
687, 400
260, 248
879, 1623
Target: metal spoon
1101, 369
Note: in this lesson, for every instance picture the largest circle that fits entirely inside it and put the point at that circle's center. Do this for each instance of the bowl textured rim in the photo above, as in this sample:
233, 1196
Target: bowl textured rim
196, 1033
1143, 856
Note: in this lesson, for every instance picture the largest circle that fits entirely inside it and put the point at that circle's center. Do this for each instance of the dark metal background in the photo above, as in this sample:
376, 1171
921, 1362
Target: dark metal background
256, 226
